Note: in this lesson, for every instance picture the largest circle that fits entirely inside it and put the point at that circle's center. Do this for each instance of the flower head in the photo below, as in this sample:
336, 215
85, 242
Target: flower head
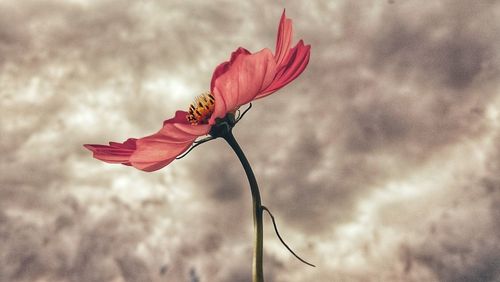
244, 78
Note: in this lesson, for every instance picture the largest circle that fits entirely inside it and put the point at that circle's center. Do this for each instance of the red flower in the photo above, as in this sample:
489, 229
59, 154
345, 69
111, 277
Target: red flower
242, 79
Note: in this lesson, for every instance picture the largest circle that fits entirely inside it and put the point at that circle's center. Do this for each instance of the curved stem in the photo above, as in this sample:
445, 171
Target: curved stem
257, 270
283, 241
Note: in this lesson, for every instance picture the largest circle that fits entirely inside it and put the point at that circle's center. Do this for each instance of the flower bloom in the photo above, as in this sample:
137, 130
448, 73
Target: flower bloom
242, 79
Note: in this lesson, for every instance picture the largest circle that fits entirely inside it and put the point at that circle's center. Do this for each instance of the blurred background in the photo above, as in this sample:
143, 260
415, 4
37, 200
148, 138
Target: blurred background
380, 162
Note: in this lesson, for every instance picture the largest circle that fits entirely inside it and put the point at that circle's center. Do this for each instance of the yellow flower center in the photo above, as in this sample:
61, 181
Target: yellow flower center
201, 109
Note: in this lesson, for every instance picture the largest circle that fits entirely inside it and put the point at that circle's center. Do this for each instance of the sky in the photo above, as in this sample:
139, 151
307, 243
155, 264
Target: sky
380, 162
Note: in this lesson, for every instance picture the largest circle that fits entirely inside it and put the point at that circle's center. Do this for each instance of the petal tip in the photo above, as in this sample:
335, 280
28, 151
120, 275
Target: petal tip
90, 147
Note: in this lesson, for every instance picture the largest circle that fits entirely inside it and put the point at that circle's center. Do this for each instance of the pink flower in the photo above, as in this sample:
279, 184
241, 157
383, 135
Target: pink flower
242, 79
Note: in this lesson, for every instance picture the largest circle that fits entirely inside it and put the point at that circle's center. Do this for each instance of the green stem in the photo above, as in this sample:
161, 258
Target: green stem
257, 270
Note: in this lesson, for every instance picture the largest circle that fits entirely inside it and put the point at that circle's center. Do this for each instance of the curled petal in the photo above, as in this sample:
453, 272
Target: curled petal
284, 39
246, 77
290, 62
291, 68
153, 152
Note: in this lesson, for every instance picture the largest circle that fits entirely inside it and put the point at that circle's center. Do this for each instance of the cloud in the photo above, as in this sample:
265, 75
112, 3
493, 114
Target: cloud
380, 162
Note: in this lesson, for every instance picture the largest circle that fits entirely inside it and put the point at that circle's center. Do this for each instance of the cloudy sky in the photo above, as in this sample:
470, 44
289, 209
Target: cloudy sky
380, 163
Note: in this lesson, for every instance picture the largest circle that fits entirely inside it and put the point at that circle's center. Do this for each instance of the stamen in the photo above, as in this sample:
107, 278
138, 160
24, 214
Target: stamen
201, 109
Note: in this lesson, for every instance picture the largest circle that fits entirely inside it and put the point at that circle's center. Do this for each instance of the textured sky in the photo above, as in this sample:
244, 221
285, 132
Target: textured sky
380, 163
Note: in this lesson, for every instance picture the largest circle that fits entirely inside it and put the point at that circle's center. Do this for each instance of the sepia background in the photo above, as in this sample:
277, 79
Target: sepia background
380, 162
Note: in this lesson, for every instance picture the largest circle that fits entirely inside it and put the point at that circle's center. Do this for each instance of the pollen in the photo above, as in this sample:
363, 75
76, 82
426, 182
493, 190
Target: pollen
201, 109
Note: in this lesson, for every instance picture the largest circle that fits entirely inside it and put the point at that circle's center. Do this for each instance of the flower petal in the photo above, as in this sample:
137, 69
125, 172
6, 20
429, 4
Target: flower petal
153, 152
115, 152
223, 67
291, 68
179, 117
246, 76
284, 39
158, 150
177, 129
